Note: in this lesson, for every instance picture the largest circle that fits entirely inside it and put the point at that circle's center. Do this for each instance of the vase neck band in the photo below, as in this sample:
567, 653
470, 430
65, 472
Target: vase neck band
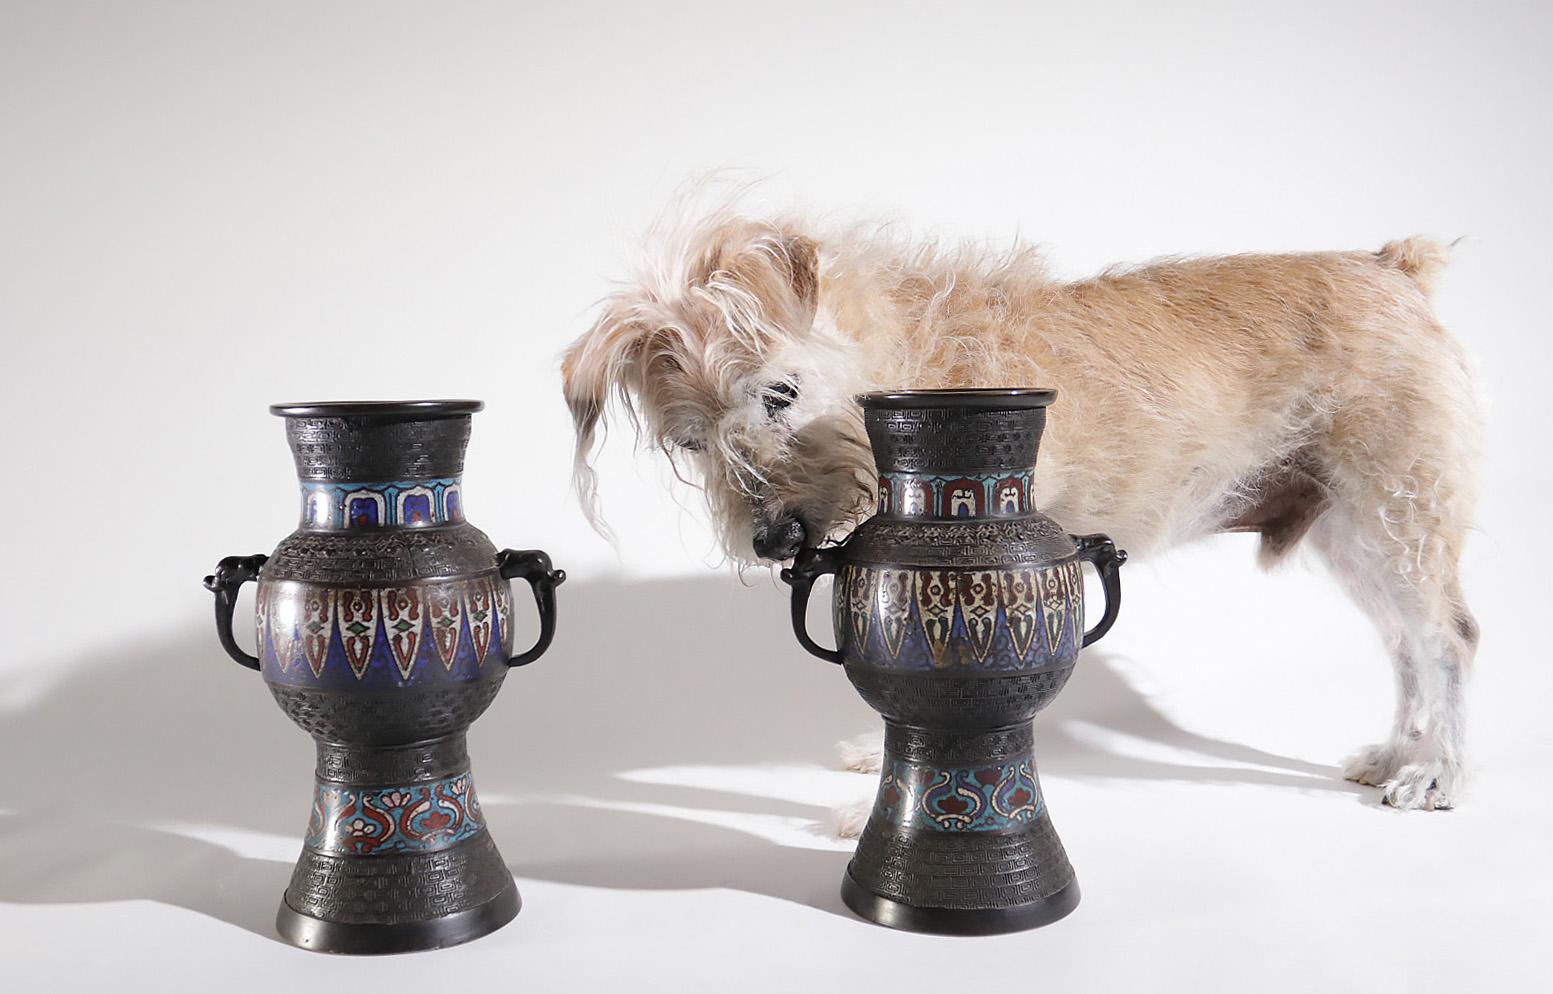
331, 506
998, 494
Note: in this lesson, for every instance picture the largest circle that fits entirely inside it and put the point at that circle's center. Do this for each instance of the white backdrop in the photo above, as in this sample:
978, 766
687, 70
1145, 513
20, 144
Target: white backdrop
209, 207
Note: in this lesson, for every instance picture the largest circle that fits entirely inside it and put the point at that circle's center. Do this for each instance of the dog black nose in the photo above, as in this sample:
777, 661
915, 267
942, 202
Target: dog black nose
779, 540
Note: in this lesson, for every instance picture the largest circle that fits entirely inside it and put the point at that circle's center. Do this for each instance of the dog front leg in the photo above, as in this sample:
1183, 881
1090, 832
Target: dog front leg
863, 754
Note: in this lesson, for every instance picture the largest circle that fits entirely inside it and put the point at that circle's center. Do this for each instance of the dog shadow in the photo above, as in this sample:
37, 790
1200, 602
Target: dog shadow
139, 754
1099, 697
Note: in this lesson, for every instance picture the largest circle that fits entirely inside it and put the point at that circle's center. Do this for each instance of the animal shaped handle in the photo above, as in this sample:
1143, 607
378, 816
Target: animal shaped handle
1101, 553
801, 576
534, 566
231, 573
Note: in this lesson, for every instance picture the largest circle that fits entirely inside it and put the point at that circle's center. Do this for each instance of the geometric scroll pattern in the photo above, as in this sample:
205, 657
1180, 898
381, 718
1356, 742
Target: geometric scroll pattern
957, 620
355, 638
382, 820
990, 798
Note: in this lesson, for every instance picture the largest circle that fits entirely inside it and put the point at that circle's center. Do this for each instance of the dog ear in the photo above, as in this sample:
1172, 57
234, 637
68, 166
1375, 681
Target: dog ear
782, 270
803, 270
593, 367
775, 269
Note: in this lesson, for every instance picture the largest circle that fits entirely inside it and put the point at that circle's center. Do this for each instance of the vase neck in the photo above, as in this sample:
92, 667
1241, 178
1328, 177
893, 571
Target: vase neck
951, 462
379, 470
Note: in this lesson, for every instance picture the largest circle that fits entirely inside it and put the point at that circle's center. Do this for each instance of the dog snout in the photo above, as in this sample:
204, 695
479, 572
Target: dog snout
779, 540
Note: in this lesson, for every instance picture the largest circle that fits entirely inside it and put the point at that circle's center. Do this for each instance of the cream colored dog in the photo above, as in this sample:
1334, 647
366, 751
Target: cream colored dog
1309, 398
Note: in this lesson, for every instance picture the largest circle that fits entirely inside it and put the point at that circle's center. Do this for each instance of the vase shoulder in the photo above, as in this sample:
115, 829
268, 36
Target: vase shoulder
932, 598
1032, 540
373, 611
381, 557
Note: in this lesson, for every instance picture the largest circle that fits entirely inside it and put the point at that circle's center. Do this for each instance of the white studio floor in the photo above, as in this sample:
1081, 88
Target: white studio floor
661, 795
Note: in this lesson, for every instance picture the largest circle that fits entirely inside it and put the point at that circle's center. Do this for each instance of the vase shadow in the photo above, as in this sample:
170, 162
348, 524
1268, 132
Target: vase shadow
80, 861
633, 850
142, 739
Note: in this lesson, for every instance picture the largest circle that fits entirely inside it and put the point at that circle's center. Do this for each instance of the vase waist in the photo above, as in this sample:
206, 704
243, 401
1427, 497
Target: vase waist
935, 780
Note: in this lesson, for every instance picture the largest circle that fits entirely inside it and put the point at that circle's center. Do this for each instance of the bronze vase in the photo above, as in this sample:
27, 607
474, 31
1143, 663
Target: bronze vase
959, 613
384, 627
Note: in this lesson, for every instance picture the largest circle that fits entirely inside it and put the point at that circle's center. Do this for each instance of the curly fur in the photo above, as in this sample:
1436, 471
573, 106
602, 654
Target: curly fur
1311, 398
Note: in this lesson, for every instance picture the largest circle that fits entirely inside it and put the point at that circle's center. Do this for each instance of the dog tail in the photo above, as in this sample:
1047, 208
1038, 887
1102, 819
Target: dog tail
1419, 258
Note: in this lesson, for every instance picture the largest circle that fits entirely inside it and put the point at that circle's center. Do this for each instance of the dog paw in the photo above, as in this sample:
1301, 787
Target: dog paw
850, 818
1418, 787
864, 754
1408, 784
1373, 765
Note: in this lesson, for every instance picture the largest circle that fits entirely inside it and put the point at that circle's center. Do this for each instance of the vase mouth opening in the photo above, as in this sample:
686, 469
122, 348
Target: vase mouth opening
420, 409
975, 399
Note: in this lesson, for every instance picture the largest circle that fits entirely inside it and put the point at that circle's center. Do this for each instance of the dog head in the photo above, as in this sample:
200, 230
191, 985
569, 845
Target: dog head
717, 358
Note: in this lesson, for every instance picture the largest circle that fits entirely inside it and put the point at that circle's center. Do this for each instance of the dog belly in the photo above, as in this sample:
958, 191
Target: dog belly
1281, 504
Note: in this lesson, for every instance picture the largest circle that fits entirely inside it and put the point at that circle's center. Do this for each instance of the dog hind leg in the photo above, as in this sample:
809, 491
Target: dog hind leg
1401, 568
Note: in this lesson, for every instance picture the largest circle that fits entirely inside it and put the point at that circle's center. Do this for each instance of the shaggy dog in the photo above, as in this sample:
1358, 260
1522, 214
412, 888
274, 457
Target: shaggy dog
1310, 398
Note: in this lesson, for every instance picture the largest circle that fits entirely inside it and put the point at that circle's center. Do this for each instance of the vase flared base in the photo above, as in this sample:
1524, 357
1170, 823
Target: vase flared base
957, 921
377, 938
960, 841
396, 857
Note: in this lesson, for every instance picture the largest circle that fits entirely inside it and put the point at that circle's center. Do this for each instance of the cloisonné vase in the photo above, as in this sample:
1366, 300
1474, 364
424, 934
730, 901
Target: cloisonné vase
959, 613
384, 628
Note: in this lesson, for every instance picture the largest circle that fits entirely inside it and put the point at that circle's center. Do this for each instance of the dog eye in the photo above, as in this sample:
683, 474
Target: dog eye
778, 397
688, 444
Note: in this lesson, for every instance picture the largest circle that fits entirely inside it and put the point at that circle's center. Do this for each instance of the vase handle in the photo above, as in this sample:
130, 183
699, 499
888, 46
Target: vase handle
1101, 553
231, 573
801, 576
534, 566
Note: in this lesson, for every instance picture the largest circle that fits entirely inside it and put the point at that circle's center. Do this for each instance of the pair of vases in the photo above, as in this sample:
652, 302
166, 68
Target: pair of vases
385, 627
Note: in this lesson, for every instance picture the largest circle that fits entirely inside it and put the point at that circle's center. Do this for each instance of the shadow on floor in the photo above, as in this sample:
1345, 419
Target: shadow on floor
687, 672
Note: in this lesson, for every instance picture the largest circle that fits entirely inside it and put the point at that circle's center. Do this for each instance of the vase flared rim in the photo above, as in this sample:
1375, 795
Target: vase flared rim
378, 409
976, 399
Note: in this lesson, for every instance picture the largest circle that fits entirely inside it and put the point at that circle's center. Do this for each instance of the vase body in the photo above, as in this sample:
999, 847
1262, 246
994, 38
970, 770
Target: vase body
384, 628
959, 613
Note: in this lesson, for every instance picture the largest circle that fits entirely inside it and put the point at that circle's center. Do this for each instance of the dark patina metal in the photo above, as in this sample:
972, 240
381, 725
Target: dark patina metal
959, 613
384, 630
